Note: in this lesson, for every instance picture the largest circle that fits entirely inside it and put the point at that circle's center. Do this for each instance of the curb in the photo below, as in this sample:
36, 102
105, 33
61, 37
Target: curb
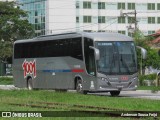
12, 87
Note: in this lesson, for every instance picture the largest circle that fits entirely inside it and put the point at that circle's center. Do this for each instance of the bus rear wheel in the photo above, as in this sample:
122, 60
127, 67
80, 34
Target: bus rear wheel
114, 93
30, 84
79, 86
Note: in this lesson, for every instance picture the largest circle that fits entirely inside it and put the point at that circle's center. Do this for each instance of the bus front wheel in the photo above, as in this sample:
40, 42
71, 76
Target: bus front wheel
114, 93
30, 84
79, 87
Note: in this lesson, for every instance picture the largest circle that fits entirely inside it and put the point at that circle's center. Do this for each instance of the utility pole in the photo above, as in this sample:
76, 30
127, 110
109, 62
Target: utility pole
135, 17
130, 13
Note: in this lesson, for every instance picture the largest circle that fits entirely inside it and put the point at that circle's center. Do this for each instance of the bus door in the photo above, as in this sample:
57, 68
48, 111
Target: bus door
89, 62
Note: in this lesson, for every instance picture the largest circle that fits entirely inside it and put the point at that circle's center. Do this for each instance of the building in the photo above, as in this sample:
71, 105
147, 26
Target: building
7, 0
56, 16
156, 41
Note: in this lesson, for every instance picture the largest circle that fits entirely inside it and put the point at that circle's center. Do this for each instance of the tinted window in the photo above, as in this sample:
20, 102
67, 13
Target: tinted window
76, 48
52, 48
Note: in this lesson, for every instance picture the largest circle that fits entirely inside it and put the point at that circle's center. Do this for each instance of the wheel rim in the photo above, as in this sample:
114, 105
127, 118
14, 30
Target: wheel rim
79, 86
30, 87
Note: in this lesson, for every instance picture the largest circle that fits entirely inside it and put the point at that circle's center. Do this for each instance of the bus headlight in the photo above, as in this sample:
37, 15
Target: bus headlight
135, 78
103, 79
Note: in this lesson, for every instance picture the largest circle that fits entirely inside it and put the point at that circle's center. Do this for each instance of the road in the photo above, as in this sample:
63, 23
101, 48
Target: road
145, 94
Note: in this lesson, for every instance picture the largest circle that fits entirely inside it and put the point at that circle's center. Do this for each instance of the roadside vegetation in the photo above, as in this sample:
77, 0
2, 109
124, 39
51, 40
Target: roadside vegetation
24, 100
6, 80
25, 96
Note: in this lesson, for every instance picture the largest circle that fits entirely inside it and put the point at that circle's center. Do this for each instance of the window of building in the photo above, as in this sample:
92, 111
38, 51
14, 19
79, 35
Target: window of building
130, 34
151, 20
36, 13
131, 19
77, 4
87, 19
86, 5
121, 20
87, 30
77, 19
121, 5
151, 32
43, 32
101, 5
42, 19
151, 6
158, 6
158, 20
36, 20
101, 19
122, 32
42, 25
131, 6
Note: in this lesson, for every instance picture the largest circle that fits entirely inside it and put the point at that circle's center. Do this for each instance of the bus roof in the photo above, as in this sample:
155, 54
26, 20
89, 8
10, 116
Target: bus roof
96, 36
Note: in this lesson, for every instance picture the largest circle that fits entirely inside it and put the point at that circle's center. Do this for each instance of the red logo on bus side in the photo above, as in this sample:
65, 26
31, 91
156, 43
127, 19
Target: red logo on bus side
29, 68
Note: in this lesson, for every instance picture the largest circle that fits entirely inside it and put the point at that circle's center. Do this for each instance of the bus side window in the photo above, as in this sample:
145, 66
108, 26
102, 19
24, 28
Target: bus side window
89, 57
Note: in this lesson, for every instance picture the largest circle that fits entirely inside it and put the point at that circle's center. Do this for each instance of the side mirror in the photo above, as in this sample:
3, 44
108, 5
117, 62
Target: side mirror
143, 52
96, 52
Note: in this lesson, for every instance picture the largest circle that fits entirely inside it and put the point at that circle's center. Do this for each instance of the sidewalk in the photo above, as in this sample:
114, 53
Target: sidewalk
148, 91
8, 87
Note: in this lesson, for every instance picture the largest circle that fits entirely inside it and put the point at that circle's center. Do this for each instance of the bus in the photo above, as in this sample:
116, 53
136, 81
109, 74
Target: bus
81, 61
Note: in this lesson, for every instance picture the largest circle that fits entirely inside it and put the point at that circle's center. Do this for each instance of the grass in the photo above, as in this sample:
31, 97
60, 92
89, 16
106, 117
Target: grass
6, 80
153, 88
26, 97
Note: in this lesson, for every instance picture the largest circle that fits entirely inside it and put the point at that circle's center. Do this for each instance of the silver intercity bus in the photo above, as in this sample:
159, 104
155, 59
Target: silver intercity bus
86, 62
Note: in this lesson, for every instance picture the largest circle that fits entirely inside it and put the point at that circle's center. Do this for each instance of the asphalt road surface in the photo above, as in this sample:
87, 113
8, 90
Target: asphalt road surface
145, 94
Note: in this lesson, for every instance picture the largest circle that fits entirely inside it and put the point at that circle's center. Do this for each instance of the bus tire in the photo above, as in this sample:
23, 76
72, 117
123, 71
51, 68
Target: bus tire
79, 87
30, 84
114, 93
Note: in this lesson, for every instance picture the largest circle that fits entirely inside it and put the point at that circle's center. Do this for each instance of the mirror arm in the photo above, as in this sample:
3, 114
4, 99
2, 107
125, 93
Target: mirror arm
143, 52
96, 52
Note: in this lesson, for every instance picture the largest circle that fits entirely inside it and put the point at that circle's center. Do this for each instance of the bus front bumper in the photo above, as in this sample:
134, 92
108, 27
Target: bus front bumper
116, 86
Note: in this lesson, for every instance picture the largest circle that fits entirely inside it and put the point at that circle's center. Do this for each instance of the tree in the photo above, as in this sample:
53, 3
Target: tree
153, 59
14, 25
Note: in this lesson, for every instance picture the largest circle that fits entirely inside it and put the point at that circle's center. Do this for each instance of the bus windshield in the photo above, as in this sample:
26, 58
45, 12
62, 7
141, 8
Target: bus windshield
117, 57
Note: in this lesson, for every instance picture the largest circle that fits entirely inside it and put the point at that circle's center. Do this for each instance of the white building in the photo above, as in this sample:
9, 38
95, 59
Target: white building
55, 16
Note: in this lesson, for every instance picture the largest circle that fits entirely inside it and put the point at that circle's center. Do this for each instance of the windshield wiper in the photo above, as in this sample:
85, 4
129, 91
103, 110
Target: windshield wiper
125, 64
